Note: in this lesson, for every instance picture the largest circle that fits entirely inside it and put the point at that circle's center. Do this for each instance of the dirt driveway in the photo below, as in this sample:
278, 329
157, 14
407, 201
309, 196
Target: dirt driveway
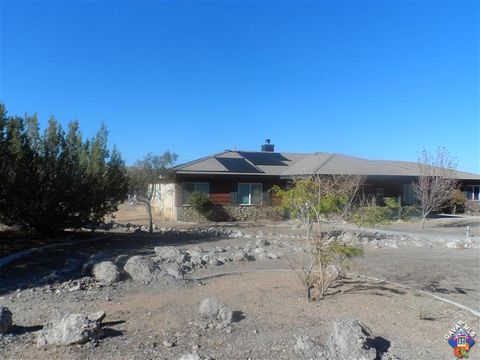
448, 273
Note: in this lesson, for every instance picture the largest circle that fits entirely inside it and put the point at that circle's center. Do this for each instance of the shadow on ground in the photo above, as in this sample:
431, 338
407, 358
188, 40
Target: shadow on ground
347, 286
434, 287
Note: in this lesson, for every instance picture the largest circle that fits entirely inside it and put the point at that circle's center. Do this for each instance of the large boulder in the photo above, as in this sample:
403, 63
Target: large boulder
141, 268
92, 260
167, 253
214, 314
346, 339
70, 329
352, 340
5, 320
107, 272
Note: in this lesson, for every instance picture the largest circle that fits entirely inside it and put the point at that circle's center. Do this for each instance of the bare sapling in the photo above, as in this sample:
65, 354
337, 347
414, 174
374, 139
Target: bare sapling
436, 181
321, 203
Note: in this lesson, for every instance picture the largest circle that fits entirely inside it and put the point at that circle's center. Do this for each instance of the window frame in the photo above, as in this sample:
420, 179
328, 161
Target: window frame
471, 189
249, 194
185, 203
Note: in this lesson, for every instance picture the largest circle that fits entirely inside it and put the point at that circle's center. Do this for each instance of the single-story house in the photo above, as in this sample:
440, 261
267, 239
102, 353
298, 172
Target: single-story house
240, 180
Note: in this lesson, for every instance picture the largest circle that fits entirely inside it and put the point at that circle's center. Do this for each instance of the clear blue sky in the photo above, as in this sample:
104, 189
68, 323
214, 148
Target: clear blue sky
376, 79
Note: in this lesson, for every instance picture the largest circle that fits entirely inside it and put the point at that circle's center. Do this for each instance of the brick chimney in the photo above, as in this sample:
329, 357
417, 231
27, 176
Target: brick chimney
268, 147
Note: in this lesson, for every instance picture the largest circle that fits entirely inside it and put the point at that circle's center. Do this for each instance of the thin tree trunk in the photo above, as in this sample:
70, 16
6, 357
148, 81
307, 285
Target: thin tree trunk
150, 218
423, 221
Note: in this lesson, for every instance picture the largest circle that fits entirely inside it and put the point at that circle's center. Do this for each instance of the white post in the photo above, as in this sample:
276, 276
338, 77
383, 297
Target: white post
467, 233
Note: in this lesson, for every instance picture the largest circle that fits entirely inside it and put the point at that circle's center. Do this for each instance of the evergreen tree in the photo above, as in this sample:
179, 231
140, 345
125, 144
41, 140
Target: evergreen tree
56, 180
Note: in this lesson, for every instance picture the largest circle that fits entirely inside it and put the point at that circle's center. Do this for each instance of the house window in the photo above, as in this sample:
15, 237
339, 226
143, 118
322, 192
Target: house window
473, 192
408, 196
380, 193
191, 187
250, 194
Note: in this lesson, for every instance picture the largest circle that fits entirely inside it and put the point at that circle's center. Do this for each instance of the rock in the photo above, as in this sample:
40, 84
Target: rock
121, 260
107, 272
168, 343
69, 330
191, 356
5, 320
389, 356
451, 245
140, 268
240, 255
175, 272
215, 261
195, 257
260, 253
213, 314
167, 253
98, 316
351, 340
261, 242
306, 348
92, 260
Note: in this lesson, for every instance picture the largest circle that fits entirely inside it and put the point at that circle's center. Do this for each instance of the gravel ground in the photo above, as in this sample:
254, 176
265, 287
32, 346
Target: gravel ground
270, 305
272, 309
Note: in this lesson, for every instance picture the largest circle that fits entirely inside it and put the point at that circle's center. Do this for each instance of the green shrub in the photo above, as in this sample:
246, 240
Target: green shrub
201, 203
371, 215
457, 202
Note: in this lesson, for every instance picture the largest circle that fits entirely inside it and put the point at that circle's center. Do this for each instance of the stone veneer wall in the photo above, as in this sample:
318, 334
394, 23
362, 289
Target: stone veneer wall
237, 213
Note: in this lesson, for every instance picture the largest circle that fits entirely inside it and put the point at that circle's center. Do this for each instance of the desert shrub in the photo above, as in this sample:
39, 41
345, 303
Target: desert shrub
56, 179
472, 207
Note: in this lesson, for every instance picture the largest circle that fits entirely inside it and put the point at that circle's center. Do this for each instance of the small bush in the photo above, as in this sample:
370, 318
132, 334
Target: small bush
371, 215
392, 203
204, 206
472, 207
457, 202
200, 202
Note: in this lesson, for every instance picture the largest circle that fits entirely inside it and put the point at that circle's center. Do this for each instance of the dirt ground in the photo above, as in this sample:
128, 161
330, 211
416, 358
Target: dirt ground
268, 298
272, 310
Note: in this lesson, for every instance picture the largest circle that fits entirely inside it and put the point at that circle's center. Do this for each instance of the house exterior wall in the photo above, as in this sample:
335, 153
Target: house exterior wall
223, 192
163, 203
